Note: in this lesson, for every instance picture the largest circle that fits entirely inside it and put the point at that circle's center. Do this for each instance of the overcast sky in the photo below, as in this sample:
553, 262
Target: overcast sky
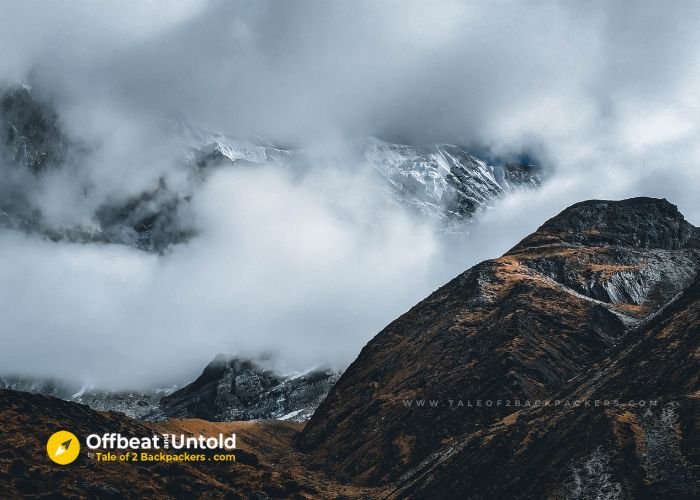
309, 268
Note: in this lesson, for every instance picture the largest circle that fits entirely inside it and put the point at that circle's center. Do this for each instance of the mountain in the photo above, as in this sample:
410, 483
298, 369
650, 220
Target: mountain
31, 132
266, 464
567, 368
229, 389
622, 451
233, 389
139, 405
440, 181
445, 181
33, 143
134, 404
520, 328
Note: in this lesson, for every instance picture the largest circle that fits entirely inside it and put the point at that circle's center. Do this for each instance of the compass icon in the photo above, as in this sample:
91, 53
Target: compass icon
63, 447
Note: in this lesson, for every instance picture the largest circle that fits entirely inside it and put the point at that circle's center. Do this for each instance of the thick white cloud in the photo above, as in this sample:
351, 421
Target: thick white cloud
308, 266
304, 270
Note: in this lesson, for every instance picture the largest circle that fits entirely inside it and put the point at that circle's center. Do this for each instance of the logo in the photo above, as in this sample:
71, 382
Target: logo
63, 447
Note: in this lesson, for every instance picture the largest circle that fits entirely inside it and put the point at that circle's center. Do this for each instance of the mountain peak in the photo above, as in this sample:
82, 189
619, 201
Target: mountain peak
519, 328
635, 222
233, 388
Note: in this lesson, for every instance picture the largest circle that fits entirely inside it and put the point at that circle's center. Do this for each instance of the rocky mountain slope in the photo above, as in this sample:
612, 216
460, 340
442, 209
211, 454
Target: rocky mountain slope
517, 328
228, 389
443, 180
30, 131
233, 389
440, 181
567, 368
617, 451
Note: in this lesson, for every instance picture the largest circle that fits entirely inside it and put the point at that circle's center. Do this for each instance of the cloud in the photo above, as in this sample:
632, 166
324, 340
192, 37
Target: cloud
310, 264
304, 270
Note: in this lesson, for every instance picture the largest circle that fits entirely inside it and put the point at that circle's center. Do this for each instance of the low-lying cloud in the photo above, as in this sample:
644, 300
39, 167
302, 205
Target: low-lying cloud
299, 270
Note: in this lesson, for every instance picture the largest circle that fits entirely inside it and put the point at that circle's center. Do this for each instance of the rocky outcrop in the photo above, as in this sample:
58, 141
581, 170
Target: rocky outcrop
234, 389
151, 221
445, 181
653, 257
31, 133
519, 327
638, 223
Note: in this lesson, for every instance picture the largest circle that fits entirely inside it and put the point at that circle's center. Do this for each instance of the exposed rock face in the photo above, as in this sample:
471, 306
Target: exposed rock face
652, 258
229, 389
639, 223
30, 131
150, 221
133, 404
233, 389
443, 180
519, 327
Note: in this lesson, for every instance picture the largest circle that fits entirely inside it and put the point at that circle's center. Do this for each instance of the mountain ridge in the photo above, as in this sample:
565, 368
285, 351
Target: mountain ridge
566, 315
516, 327
230, 388
629, 450
442, 182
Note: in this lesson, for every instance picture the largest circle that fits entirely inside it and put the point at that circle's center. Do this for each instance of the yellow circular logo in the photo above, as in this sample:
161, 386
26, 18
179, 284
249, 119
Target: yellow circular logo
63, 447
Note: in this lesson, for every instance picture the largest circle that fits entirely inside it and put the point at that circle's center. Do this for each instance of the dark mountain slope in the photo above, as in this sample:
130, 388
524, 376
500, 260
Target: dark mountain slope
234, 389
614, 451
517, 327
574, 324
266, 465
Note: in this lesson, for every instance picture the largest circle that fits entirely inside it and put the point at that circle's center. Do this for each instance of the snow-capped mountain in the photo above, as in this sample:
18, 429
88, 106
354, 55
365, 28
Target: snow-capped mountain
205, 148
443, 180
440, 181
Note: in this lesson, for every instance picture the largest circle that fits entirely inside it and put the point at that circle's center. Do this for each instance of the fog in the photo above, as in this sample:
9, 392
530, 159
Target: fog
305, 266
